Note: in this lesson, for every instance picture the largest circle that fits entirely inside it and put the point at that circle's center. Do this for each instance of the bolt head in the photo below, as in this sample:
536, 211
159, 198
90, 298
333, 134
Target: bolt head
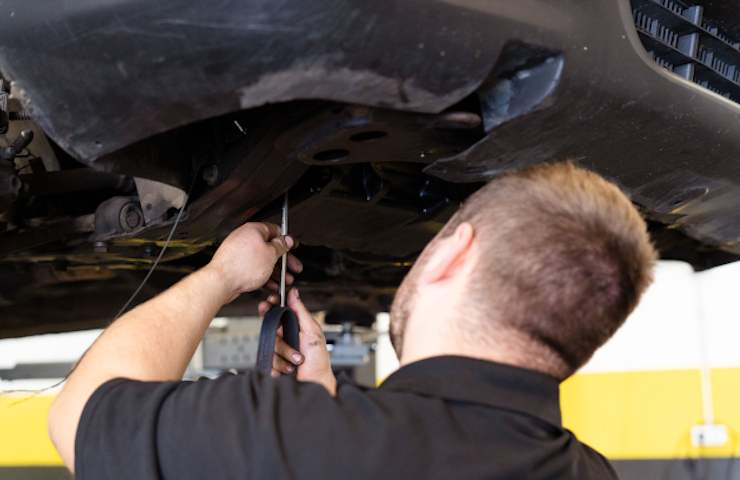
149, 250
100, 247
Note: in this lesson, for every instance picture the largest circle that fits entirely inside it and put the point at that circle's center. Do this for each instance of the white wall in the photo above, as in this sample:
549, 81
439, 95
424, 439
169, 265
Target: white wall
51, 348
664, 332
720, 288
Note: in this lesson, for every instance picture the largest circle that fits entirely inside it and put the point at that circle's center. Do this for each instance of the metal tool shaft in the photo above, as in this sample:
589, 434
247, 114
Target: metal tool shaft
284, 231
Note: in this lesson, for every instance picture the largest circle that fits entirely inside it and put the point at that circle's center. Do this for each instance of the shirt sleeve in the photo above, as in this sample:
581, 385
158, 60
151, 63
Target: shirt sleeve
247, 426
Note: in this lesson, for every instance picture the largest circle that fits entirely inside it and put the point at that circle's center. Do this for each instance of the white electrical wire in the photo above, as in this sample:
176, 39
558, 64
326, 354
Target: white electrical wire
166, 243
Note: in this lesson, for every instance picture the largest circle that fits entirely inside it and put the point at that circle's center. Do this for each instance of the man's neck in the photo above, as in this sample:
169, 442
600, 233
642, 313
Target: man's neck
438, 336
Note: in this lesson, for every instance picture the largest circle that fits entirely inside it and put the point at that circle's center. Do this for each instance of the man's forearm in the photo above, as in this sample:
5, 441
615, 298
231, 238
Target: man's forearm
153, 342
156, 340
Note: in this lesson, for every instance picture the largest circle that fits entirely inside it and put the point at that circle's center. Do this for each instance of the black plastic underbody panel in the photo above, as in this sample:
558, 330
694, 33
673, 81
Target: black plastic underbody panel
99, 76
114, 83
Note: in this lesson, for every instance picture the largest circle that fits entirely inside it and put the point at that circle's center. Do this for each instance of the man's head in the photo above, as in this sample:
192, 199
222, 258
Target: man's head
537, 269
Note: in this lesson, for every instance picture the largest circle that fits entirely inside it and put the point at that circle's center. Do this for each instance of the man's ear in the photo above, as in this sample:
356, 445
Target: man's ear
450, 254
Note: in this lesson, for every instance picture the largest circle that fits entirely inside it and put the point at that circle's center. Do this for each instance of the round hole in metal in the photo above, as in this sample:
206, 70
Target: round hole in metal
329, 155
367, 136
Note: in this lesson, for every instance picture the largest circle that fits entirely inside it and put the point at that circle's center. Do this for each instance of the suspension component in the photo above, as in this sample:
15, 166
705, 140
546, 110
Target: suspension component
10, 183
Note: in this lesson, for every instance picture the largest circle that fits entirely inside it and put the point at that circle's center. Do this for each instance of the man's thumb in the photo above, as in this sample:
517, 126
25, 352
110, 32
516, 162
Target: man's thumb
306, 322
282, 244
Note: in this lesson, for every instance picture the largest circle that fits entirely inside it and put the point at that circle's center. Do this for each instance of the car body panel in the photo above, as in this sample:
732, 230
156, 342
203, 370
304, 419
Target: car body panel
157, 90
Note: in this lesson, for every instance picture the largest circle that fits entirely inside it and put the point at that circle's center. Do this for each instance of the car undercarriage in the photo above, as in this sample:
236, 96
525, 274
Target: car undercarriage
117, 114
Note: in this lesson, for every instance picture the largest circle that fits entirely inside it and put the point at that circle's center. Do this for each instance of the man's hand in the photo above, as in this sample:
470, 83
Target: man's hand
246, 260
313, 357
156, 340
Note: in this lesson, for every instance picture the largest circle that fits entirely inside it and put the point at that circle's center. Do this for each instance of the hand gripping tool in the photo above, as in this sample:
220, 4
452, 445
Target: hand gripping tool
277, 316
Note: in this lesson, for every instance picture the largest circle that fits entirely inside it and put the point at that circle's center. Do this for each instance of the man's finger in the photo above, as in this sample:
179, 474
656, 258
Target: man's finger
306, 322
294, 264
279, 364
287, 352
263, 308
276, 275
268, 230
282, 244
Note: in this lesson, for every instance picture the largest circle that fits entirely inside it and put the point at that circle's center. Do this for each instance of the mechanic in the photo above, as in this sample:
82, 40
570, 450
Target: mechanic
532, 274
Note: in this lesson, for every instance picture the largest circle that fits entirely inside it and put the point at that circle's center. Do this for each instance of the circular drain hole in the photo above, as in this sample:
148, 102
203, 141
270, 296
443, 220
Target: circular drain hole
328, 155
367, 136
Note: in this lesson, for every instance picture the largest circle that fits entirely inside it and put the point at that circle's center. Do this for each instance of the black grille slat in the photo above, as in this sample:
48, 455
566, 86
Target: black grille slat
678, 38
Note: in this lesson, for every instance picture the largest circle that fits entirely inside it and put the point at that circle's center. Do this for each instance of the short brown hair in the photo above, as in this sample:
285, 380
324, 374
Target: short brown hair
566, 257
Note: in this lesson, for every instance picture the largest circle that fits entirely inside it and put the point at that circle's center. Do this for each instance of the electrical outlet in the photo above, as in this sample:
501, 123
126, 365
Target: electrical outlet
709, 435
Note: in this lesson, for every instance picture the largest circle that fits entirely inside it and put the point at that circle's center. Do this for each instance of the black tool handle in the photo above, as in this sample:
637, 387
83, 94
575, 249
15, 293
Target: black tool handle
273, 319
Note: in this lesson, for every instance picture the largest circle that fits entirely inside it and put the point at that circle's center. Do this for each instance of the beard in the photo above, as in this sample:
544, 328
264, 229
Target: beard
403, 305
405, 300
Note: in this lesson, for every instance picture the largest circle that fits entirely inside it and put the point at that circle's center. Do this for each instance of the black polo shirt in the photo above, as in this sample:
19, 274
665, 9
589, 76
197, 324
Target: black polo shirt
441, 418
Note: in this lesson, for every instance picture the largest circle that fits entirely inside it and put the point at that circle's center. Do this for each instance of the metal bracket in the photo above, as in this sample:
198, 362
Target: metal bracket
157, 197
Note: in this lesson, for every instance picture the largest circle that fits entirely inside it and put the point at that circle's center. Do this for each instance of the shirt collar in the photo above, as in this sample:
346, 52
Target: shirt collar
480, 381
